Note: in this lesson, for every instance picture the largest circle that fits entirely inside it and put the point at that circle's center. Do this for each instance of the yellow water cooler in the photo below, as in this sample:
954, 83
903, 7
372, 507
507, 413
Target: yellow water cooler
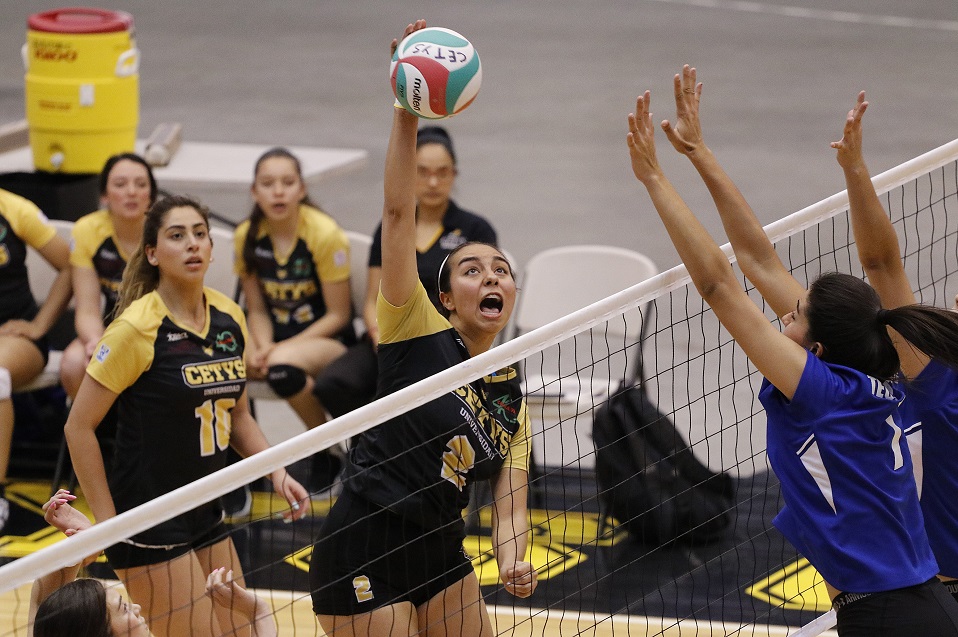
82, 88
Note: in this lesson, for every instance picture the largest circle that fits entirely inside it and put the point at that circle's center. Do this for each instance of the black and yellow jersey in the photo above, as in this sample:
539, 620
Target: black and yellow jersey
292, 283
96, 247
21, 225
177, 389
421, 463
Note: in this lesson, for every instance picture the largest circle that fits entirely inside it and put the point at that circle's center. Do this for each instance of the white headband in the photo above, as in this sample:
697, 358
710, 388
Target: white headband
439, 274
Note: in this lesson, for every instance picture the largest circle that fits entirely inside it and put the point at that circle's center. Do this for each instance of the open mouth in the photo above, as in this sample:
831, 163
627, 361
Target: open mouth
491, 305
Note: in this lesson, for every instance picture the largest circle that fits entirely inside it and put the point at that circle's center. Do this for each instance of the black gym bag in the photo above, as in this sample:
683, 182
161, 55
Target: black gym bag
649, 479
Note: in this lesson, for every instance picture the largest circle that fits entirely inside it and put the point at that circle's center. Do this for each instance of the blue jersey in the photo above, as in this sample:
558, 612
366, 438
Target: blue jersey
930, 417
851, 506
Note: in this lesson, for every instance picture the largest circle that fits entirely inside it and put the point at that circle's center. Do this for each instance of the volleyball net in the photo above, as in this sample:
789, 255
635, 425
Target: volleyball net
673, 564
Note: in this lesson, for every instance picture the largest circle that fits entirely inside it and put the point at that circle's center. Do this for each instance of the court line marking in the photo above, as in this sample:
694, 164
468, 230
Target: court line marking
512, 617
516, 619
820, 14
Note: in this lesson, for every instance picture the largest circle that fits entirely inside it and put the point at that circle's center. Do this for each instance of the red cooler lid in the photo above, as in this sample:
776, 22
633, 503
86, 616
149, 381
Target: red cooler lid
81, 20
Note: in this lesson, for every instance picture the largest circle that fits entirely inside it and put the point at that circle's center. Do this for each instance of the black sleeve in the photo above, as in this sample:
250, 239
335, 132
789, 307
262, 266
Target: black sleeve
485, 232
376, 249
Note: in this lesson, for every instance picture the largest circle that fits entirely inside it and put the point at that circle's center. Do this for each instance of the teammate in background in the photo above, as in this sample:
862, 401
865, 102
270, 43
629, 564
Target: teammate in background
23, 324
834, 432
173, 360
61, 604
930, 412
293, 262
102, 244
390, 559
349, 382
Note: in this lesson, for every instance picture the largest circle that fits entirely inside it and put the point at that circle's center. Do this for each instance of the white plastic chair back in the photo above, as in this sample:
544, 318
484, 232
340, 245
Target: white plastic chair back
41, 273
565, 382
359, 245
559, 281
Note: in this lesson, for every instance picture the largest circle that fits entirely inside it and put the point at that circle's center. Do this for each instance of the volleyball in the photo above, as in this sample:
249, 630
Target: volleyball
435, 73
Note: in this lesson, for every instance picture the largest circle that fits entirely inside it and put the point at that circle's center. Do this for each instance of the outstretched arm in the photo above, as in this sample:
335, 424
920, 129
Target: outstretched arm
755, 253
399, 273
58, 512
774, 354
875, 236
373, 278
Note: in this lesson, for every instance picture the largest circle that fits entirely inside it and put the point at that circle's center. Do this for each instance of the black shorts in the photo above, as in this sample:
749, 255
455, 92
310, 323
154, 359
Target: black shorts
368, 557
952, 587
924, 609
131, 553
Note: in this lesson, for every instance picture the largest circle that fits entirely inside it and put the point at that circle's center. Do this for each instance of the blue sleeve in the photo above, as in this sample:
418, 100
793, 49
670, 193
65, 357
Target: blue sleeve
833, 393
818, 390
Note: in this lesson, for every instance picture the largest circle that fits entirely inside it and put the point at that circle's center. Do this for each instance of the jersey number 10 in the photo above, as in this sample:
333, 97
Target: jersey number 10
216, 420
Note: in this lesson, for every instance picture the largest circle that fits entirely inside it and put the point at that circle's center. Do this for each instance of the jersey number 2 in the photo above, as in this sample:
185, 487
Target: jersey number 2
458, 459
216, 420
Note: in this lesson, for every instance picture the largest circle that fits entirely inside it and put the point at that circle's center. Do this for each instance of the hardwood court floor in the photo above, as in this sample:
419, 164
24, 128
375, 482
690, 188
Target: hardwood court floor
590, 583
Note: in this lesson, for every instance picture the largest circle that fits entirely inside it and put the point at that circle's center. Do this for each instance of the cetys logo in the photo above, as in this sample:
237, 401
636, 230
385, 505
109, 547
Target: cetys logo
226, 342
219, 372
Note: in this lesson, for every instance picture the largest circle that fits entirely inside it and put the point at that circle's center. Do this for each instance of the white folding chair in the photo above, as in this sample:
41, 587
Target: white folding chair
509, 329
359, 245
566, 381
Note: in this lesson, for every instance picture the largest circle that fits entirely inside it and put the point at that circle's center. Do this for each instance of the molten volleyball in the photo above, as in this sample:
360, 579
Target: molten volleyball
435, 73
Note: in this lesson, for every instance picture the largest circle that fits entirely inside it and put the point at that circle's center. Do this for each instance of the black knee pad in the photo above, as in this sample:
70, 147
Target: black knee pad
286, 380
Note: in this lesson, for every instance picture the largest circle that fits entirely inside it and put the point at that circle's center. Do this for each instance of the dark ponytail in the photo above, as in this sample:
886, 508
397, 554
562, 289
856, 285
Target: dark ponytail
846, 317
257, 215
842, 315
931, 330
